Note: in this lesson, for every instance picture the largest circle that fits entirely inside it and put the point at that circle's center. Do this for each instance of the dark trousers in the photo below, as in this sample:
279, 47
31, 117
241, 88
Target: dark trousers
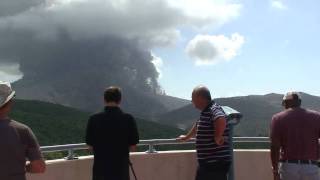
114, 174
111, 177
213, 171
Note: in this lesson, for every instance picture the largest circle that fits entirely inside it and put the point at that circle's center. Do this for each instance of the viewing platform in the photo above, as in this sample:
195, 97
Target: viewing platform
249, 164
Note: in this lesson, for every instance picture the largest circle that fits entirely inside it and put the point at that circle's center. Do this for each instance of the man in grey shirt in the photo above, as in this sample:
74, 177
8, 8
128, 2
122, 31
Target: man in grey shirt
19, 149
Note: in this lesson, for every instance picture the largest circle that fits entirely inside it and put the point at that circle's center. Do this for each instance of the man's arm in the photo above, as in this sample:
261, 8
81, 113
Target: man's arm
318, 136
133, 134
36, 166
36, 162
220, 126
90, 148
89, 134
275, 147
133, 148
189, 135
275, 156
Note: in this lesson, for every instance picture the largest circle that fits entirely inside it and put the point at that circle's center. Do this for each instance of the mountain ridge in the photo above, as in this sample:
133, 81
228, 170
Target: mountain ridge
56, 124
256, 109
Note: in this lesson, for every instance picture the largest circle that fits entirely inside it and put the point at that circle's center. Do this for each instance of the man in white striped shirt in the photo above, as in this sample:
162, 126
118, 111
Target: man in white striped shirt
211, 130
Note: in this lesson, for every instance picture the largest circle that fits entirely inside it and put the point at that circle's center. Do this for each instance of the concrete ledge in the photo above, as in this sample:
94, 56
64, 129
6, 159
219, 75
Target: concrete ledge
168, 165
252, 165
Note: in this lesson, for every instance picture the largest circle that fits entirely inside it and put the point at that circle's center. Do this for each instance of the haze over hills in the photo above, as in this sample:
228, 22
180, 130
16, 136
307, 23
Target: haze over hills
256, 109
89, 96
56, 124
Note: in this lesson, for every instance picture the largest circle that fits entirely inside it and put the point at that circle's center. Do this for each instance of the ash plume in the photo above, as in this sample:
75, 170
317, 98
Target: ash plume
69, 51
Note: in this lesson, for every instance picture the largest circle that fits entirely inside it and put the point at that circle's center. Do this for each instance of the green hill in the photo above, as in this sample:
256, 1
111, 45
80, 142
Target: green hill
257, 111
55, 124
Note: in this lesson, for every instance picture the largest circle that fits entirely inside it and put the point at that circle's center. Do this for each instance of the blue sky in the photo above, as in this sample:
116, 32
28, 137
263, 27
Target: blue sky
280, 53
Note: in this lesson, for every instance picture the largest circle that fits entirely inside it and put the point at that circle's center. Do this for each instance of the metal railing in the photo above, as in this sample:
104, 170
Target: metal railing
150, 143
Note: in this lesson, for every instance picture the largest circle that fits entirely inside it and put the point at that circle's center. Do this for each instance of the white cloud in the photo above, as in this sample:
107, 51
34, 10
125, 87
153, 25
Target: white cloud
278, 4
207, 49
10, 72
204, 11
151, 22
158, 63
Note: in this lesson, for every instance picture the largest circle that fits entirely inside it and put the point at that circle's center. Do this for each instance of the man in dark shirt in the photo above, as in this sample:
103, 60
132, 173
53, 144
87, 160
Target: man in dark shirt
17, 142
211, 131
294, 141
111, 134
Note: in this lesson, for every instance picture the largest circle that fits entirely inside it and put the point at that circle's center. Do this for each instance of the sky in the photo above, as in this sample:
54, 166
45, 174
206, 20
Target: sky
279, 52
235, 47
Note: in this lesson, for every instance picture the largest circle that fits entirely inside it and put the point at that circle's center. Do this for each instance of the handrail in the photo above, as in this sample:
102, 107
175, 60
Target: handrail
151, 143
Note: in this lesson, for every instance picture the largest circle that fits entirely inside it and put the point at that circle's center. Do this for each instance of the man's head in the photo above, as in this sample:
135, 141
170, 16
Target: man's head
6, 95
201, 97
291, 100
112, 95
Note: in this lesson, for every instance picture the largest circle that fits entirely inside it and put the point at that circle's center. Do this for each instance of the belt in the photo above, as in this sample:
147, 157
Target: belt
300, 161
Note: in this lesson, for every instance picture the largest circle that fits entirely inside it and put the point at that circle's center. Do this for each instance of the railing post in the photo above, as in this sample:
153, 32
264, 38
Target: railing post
71, 155
151, 149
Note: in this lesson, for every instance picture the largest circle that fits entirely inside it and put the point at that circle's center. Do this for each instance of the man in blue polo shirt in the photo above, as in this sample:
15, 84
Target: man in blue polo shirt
211, 132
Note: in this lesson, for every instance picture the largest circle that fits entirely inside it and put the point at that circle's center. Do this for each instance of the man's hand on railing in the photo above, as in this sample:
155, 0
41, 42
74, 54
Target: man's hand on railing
90, 149
133, 148
182, 138
191, 134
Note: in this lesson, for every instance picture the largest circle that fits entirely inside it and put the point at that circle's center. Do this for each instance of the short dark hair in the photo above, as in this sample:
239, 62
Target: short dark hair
112, 94
203, 92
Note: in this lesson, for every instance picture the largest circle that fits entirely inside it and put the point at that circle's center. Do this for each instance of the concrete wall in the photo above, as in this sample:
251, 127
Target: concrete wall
170, 165
252, 165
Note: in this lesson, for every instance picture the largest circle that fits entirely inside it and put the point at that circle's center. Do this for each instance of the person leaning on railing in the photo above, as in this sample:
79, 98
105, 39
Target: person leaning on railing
214, 152
17, 142
294, 141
